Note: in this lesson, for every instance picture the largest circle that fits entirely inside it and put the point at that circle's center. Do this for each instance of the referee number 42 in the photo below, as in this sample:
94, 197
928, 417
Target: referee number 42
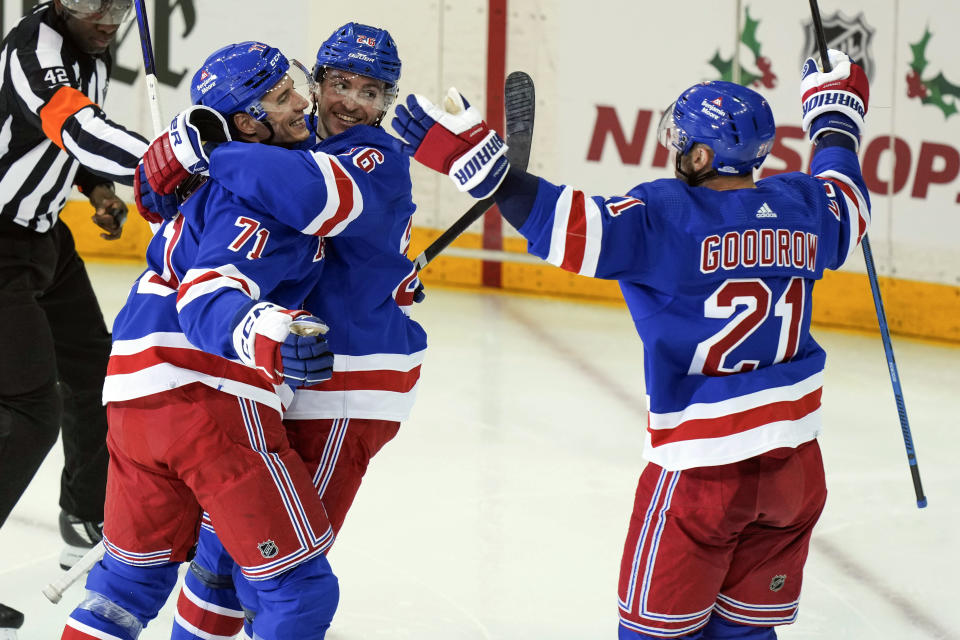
753, 297
57, 75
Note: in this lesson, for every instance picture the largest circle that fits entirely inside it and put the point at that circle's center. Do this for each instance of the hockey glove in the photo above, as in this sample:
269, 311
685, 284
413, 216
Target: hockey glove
183, 148
453, 140
284, 345
153, 207
836, 101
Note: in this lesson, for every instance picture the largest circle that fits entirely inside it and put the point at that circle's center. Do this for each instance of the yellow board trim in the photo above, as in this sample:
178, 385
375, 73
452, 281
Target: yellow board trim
131, 245
919, 309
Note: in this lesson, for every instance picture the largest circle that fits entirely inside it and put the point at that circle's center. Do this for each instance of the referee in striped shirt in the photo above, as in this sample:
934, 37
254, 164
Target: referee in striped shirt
54, 344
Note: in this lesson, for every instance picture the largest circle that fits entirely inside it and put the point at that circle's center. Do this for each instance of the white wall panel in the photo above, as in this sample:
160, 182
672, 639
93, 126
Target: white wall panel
628, 59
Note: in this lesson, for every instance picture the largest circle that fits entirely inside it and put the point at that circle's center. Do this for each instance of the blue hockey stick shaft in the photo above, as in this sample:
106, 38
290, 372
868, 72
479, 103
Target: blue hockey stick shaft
894, 373
878, 303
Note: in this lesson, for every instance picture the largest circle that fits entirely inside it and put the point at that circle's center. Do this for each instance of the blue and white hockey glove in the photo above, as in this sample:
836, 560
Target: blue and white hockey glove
153, 207
453, 140
836, 101
285, 345
179, 151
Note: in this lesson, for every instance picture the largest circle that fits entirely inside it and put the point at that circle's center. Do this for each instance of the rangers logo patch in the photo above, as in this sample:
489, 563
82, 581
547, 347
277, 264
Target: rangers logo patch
777, 583
268, 549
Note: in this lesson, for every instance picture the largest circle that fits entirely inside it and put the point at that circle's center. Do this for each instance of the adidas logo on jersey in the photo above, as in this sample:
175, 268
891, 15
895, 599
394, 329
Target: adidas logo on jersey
765, 211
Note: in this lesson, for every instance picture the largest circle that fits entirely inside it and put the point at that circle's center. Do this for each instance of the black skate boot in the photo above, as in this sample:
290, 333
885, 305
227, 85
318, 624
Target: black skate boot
10, 621
79, 535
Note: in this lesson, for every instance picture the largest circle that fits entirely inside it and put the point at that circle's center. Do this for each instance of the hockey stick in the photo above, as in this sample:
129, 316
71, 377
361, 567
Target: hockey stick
54, 590
519, 101
149, 66
878, 303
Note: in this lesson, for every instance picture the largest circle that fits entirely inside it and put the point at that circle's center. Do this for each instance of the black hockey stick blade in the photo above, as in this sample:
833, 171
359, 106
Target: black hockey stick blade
519, 104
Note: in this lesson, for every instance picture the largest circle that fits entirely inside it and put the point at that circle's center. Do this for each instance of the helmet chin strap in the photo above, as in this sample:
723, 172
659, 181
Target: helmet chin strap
695, 179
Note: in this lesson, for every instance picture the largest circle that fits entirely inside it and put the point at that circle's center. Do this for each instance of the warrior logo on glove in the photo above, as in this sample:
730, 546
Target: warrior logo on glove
453, 140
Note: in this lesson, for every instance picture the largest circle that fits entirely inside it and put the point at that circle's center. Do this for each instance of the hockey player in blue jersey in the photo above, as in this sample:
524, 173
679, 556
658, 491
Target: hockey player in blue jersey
717, 272
365, 291
205, 353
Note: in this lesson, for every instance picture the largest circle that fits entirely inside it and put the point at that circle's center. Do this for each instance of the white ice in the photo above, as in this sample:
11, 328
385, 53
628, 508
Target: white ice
500, 510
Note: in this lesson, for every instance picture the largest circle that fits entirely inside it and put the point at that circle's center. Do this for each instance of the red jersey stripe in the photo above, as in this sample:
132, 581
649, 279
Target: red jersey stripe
576, 239
847, 191
344, 194
206, 277
738, 422
190, 359
381, 380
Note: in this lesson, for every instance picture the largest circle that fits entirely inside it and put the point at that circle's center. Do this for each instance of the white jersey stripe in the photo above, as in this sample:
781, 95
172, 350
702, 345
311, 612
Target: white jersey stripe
22, 86
857, 209
558, 235
199, 282
331, 453
737, 404
49, 46
338, 183
708, 452
627, 604
97, 126
200, 603
30, 204
367, 404
594, 238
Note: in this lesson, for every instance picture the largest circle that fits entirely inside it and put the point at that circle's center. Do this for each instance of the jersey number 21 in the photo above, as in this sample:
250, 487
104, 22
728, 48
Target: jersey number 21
753, 296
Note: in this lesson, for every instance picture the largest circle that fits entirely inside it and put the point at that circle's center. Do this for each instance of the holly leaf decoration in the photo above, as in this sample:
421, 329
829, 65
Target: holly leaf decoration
919, 49
747, 78
940, 87
749, 35
725, 69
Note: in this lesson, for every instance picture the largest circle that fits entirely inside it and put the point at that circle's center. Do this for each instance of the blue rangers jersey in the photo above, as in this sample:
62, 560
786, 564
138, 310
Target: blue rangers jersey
719, 286
354, 189
203, 267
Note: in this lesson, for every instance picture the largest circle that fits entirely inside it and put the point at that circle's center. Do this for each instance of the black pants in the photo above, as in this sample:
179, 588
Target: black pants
54, 348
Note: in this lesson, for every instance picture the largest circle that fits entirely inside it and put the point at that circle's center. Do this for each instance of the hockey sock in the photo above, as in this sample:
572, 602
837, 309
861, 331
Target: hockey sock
121, 599
208, 604
299, 603
721, 629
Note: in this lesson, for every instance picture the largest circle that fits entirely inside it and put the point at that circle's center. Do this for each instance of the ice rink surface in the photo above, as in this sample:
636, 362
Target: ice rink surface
500, 509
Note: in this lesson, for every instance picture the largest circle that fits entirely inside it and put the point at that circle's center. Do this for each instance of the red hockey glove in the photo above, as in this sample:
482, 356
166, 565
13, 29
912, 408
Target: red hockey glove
179, 151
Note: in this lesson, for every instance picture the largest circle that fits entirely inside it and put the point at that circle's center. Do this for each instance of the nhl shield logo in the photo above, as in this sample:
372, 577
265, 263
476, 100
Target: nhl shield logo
268, 549
777, 583
853, 36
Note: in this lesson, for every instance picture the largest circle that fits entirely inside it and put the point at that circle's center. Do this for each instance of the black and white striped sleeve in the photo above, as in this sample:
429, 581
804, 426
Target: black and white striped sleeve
50, 90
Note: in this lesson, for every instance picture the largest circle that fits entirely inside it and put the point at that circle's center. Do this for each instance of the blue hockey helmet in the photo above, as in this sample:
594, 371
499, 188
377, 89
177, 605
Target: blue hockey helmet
360, 49
734, 121
235, 78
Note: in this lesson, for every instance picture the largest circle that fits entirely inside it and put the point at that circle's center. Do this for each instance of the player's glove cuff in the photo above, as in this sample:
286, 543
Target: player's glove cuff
184, 148
197, 127
833, 122
480, 170
260, 330
153, 207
